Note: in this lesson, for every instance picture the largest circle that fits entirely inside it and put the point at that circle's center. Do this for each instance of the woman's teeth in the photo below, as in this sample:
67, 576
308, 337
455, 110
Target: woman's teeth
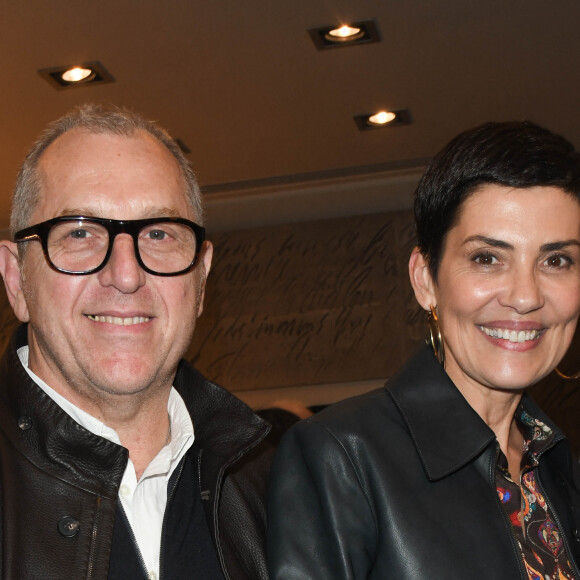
511, 335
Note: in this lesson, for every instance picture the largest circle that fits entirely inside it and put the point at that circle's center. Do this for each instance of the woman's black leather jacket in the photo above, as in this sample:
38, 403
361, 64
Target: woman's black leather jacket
400, 483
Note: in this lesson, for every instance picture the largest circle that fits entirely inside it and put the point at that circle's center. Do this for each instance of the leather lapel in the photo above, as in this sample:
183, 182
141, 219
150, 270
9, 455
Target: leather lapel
446, 431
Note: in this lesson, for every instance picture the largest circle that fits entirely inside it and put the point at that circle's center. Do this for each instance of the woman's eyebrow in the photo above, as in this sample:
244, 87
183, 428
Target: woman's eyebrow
549, 247
489, 241
552, 246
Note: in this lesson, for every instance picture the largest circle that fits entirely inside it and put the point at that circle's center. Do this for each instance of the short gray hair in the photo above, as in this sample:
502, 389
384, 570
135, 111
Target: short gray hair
95, 118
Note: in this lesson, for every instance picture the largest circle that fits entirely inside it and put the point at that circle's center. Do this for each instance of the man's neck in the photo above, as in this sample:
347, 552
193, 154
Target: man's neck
140, 420
145, 437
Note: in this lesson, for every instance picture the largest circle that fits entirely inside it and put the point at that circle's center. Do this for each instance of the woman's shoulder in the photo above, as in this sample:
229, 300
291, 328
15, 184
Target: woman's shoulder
372, 415
376, 400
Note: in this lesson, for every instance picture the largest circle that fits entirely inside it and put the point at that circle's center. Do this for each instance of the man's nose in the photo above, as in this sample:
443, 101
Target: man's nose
122, 271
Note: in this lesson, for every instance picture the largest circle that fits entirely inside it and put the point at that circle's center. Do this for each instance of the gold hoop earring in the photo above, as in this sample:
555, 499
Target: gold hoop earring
435, 338
567, 377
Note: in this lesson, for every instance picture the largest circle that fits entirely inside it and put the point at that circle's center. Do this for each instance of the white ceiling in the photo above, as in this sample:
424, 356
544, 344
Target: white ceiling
265, 113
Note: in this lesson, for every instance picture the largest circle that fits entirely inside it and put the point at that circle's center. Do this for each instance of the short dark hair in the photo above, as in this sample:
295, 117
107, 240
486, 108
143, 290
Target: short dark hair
513, 154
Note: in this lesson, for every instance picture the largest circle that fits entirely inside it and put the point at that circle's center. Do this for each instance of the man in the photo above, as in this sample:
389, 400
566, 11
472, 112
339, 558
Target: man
117, 459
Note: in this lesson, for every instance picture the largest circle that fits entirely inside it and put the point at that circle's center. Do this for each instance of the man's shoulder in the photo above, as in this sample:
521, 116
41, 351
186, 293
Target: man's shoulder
221, 420
203, 396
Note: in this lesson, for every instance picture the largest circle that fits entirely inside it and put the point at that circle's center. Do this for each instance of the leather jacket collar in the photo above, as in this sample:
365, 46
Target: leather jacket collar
45, 434
446, 430
223, 425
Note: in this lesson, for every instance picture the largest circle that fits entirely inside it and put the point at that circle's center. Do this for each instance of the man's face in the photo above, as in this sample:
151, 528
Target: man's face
120, 331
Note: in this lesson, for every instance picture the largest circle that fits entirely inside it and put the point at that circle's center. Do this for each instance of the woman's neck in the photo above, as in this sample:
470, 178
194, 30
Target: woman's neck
497, 408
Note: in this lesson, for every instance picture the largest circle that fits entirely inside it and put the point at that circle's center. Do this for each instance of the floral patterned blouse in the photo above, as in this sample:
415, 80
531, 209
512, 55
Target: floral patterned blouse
534, 525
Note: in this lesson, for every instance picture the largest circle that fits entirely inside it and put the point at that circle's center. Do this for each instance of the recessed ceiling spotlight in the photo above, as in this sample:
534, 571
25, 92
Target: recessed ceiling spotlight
383, 119
345, 33
77, 74
348, 34
88, 73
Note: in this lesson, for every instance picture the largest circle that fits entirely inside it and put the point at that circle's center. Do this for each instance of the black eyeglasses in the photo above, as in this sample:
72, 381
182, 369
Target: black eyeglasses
82, 245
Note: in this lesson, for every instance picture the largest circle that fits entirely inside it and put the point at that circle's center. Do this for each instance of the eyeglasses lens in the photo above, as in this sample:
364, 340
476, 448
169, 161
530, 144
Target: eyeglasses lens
81, 246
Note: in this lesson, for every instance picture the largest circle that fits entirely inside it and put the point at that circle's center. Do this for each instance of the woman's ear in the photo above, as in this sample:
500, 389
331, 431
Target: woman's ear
10, 272
421, 280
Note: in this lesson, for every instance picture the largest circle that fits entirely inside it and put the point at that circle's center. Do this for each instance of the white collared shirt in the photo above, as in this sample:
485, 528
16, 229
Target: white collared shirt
143, 501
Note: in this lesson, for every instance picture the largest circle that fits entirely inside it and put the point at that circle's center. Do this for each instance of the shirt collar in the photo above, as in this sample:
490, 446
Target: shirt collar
181, 424
538, 437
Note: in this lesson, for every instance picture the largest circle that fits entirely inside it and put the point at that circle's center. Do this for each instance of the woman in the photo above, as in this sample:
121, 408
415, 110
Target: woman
452, 471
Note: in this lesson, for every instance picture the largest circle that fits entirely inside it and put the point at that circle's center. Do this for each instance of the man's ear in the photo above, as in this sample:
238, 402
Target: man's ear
421, 280
10, 272
205, 264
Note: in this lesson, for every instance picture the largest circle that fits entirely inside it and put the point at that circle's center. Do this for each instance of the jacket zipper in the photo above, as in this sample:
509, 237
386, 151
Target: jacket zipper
546, 499
569, 552
214, 514
515, 543
218, 482
91, 566
178, 477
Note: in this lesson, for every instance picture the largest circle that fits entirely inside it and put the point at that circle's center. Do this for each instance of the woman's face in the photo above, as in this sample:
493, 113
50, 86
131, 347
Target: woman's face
508, 288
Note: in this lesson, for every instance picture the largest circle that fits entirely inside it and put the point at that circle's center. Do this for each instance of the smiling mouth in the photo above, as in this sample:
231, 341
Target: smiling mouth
129, 321
511, 335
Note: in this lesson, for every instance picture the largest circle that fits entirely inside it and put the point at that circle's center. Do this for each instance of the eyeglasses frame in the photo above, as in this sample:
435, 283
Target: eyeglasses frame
41, 230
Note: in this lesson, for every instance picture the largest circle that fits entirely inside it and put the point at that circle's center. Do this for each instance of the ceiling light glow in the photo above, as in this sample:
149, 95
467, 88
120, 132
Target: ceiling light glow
382, 118
76, 74
344, 33
351, 34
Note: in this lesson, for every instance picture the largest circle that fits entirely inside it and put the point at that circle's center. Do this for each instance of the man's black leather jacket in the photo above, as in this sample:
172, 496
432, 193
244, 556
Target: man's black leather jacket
400, 483
59, 482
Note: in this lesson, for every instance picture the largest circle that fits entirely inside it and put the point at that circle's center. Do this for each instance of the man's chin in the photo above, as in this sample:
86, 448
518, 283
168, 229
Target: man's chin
125, 377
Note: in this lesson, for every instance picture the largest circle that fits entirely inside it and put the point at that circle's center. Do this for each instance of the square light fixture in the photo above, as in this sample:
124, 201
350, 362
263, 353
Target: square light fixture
77, 75
382, 119
350, 34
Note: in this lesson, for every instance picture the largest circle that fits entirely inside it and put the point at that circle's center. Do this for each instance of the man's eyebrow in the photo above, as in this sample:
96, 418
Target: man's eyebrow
84, 212
489, 242
156, 212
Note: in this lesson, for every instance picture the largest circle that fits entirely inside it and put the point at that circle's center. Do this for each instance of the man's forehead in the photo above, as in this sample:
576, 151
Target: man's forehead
84, 169
80, 140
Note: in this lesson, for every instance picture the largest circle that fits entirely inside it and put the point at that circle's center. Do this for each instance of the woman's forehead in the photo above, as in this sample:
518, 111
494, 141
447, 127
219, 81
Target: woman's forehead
532, 213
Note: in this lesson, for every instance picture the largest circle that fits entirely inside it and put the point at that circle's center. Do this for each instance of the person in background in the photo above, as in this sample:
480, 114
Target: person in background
117, 458
451, 471
281, 415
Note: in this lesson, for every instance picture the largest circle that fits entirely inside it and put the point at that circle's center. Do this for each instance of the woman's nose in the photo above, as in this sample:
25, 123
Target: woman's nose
523, 290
